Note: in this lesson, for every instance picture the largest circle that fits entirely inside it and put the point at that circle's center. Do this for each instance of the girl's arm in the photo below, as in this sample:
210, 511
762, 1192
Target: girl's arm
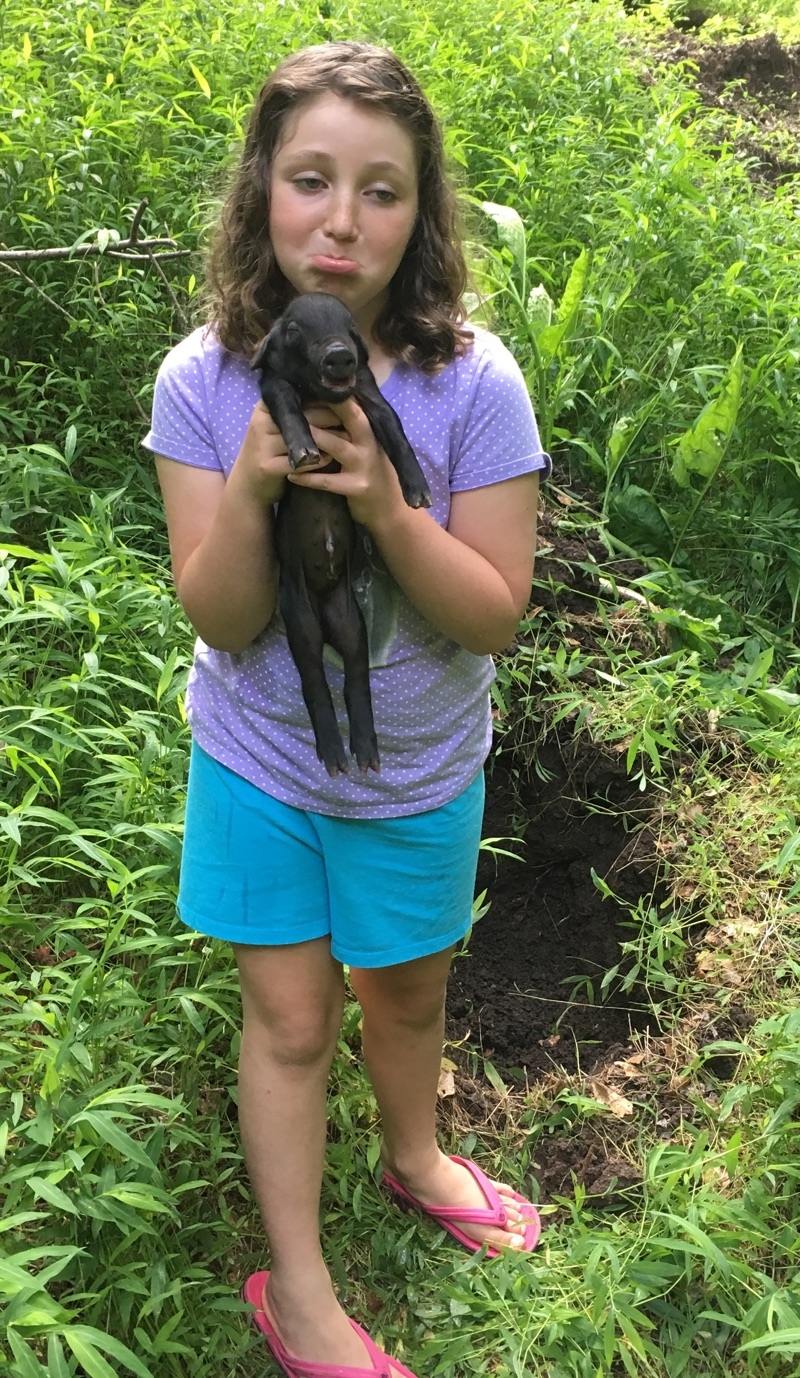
221, 537
473, 580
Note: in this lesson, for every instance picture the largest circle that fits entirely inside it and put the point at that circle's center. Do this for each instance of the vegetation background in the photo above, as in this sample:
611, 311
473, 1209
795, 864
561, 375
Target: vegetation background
649, 287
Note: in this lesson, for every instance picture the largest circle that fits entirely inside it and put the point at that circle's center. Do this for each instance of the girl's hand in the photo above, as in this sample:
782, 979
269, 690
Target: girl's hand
261, 466
367, 478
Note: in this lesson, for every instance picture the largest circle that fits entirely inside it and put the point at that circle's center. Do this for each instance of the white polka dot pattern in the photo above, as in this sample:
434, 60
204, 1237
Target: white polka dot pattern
470, 425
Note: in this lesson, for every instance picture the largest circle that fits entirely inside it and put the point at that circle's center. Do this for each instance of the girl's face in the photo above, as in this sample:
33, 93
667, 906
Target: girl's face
343, 202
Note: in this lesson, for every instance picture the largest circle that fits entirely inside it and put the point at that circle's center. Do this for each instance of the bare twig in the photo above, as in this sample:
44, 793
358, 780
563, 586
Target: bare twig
18, 273
185, 322
137, 218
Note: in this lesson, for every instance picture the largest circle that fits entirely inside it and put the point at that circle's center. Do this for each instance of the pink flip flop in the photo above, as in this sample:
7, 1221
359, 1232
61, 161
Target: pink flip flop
382, 1365
493, 1213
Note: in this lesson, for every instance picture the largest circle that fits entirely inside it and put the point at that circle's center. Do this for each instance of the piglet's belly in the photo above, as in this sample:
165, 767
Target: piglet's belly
317, 531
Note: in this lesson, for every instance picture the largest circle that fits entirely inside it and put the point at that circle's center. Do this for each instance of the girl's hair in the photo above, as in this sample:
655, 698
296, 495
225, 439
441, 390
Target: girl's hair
422, 321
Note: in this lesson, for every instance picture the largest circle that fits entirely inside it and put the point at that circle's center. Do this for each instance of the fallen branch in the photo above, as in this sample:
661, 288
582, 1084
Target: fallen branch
92, 250
134, 249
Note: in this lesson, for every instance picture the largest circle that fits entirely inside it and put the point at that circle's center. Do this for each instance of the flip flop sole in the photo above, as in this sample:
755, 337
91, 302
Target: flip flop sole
383, 1366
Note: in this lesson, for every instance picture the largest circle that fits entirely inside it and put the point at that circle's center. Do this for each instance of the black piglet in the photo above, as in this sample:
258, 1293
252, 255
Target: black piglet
314, 354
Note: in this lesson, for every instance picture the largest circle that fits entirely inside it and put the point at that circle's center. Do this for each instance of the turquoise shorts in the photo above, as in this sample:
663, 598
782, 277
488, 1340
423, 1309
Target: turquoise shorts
385, 890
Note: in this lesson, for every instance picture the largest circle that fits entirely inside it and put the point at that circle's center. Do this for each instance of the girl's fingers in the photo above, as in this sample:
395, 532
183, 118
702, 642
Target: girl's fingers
337, 446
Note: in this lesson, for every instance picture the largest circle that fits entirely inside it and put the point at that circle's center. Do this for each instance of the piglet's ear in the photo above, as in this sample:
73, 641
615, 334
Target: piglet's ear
362, 353
260, 356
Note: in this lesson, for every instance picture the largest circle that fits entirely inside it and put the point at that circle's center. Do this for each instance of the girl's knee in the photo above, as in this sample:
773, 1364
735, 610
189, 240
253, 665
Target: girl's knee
292, 1037
401, 1001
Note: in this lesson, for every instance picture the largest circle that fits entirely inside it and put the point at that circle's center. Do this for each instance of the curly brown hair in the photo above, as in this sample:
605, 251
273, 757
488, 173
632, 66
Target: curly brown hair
423, 320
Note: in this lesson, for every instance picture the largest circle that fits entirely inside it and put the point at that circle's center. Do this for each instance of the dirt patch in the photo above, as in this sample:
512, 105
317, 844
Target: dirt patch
758, 79
528, 994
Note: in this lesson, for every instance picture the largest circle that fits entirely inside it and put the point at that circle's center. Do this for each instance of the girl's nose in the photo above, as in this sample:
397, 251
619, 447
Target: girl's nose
342, 220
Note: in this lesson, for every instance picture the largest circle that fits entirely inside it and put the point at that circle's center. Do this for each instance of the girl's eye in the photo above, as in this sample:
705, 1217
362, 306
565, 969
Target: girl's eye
309, 183
383, 194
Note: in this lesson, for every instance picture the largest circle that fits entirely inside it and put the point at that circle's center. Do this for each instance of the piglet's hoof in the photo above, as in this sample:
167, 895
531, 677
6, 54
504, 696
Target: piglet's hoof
417, 495
302, 457
365, 749
333, 758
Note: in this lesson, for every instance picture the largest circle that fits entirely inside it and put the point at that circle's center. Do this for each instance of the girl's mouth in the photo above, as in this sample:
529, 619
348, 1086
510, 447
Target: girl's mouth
326, 263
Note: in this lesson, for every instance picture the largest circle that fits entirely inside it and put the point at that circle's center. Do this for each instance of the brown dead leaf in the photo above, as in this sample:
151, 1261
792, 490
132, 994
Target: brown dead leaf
564, 499
609, 1096
447, 1083
630, 1067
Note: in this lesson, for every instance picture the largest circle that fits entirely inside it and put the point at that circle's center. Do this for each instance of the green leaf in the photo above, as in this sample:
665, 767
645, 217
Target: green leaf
702, 448
165, 678
540, 309
552, 336
510, 230
495, 1078
134, 1095
136, 1195
49, 1192
201, 81
97, 1339
637, 519
17, 1220
57, 1365
26, 1365
776, 1342
109, 1131
86, 1354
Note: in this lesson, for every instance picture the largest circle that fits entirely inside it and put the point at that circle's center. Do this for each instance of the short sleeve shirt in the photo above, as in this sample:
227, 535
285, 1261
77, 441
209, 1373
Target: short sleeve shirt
470, 425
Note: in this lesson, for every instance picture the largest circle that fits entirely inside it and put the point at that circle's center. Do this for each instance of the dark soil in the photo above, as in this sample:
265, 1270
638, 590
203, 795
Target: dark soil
758, 79
527, 996
513, 996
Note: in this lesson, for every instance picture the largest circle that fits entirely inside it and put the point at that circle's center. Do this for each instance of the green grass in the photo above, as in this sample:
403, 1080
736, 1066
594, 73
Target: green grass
127, 1223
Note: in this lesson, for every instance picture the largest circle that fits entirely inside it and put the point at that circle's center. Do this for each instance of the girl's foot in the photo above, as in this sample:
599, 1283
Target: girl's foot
309, 1321
444, 1182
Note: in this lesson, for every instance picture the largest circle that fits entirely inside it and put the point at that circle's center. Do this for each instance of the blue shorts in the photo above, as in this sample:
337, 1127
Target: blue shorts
385, 890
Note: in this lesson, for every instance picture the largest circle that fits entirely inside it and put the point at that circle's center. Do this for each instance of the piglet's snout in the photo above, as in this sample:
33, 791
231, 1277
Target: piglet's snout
339, 365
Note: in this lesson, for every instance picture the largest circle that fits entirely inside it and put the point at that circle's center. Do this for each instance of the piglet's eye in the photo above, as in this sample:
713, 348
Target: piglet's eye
293, 331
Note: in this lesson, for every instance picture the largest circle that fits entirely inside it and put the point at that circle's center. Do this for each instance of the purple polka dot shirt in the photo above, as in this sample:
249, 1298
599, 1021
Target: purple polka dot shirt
470, 425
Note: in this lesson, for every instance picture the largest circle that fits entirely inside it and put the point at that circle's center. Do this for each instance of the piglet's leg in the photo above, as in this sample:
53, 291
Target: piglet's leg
283, 404
391, 437
344, 627
305, 643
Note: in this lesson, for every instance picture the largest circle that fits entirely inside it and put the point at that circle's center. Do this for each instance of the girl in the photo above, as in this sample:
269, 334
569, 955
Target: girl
341, 188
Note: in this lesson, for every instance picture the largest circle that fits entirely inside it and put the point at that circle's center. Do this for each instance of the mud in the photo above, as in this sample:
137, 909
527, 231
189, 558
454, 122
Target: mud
527, 996
757, 79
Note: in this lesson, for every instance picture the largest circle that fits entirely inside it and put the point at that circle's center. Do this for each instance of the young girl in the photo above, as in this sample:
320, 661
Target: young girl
341, 189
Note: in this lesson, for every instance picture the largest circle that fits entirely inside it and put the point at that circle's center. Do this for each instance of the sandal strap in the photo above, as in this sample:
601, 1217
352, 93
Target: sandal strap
494, 1213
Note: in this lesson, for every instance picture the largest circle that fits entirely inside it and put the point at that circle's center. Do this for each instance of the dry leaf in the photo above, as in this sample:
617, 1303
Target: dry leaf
564, 499
618, 1104
447, 1083
630, 1067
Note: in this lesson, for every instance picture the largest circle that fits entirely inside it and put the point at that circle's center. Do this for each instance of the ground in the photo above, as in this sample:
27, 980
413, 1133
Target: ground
524, 1006
756, 79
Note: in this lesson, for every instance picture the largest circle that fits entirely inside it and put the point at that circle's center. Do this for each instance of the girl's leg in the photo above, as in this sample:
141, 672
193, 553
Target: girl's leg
403, 1035
292, 1003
